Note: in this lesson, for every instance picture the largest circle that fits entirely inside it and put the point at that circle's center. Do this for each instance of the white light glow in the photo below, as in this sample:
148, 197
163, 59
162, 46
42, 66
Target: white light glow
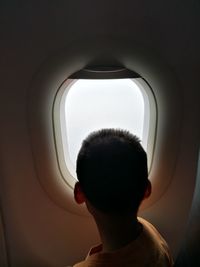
95, 104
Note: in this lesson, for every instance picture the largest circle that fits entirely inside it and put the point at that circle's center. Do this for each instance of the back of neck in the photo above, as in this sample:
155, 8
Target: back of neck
117, 232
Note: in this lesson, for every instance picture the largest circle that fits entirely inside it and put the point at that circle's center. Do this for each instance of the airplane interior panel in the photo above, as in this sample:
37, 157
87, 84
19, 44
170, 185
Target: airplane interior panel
46, 47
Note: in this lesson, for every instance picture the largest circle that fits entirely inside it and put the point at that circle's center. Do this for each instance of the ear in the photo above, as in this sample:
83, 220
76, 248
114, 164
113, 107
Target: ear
78, 194
148, 190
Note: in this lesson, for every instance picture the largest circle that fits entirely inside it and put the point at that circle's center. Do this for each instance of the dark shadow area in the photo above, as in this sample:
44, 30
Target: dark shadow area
189, 255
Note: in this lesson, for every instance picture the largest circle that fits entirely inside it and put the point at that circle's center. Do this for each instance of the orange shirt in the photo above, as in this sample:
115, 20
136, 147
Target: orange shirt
149, 249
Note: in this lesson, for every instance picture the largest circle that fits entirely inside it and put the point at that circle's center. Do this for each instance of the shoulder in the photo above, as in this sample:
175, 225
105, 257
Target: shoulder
156, 243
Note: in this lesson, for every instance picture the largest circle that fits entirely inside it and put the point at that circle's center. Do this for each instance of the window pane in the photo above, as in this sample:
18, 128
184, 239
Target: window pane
95, 104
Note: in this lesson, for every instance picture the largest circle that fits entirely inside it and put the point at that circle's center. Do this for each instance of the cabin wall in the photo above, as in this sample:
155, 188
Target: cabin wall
37, 231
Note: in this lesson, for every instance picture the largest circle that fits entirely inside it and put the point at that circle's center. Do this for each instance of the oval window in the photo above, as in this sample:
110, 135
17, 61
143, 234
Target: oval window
86, 105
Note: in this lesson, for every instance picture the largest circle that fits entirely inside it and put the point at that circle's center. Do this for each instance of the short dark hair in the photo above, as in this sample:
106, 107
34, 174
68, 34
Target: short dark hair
112, 171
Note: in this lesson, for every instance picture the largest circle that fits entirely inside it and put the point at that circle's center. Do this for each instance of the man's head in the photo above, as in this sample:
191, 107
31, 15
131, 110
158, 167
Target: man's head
112, 171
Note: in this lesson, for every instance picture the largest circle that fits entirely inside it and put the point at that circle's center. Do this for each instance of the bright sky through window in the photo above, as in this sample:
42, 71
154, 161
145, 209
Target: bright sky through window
95, 104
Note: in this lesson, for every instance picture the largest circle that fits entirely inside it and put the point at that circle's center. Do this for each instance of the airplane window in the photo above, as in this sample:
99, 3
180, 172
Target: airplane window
86, 105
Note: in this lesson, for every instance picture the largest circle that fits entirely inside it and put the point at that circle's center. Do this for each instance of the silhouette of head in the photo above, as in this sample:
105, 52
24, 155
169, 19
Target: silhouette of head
112, 171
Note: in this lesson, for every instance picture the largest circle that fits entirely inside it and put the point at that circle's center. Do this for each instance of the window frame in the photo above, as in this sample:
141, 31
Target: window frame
150, 123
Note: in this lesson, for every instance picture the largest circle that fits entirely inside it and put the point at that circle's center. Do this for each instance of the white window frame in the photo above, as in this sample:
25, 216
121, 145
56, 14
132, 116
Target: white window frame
149, 130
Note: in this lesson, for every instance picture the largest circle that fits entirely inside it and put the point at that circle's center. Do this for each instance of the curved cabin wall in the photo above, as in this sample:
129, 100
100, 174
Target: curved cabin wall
38, 231
45, 87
